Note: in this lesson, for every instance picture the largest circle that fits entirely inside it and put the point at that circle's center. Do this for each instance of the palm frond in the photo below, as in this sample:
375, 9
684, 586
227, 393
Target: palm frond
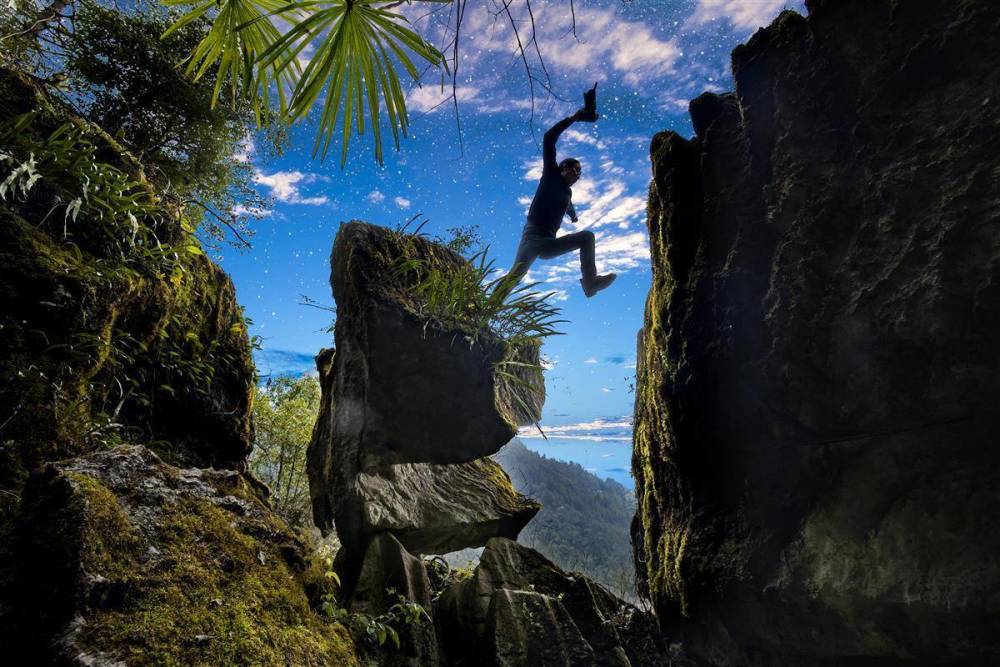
240, 33
355, 65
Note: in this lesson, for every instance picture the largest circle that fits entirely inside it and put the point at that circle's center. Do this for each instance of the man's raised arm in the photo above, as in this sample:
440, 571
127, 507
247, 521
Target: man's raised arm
551, 136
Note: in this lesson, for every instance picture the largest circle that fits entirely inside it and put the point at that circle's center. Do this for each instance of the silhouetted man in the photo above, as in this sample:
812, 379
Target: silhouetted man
554, 199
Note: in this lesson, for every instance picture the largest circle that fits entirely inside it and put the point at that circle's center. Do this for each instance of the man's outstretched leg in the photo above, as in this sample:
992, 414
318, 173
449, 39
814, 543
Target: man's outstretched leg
584, 242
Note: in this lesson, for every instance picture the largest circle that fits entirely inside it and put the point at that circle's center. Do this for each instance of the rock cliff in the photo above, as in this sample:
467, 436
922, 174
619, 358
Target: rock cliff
129, 535
107, 340
410, 412
815, 421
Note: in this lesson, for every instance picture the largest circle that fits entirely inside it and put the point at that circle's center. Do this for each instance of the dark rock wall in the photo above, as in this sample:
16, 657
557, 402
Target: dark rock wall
816, 418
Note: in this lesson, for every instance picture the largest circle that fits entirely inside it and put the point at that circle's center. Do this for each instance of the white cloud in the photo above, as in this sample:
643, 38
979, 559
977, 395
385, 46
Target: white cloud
502, 105
376, 197
606, 390
252, 211
402, 202
743, 14
605, 202
571, 136
590, 360
617, 252
619, 429
433, 97
635, 53
285, 186
533, 170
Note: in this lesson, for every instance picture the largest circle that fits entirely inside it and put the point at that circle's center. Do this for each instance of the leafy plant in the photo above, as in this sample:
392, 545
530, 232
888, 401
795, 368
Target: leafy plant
461, 239
122, 212
236, 40
284, 412
374, 630
362, 43
466, 297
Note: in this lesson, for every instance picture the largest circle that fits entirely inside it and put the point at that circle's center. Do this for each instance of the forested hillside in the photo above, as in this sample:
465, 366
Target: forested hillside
584, 521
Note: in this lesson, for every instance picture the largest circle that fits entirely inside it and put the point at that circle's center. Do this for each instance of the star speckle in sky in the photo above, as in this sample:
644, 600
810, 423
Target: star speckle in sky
650, 58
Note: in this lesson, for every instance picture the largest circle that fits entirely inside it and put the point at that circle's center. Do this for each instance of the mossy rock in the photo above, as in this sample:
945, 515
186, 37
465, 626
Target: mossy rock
119, 558
102, 348
96, 352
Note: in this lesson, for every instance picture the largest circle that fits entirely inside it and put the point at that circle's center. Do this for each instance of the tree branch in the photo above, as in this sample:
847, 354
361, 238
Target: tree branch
222, 220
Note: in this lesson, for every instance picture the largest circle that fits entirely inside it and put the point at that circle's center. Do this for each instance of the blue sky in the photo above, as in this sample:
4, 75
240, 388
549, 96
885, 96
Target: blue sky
650, 57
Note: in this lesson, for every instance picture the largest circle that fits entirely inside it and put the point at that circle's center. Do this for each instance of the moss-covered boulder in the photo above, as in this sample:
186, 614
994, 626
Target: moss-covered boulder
410, 409
119, 558
115, 327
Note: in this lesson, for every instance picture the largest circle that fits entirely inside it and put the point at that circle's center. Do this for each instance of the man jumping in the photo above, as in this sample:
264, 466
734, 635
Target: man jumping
553, 200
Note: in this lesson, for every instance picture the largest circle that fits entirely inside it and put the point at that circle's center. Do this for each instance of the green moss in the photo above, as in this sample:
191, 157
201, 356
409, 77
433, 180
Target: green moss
211, 594
112, 545
500, 480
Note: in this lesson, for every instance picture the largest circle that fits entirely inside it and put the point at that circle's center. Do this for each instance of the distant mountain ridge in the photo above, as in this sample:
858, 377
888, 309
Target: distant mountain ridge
584, 521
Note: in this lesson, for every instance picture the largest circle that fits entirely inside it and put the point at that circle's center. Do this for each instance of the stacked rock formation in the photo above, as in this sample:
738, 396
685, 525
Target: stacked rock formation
816, 416
399, 462
410, 411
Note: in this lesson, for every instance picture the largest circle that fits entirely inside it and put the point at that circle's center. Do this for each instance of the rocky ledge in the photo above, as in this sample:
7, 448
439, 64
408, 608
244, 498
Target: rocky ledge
118, 558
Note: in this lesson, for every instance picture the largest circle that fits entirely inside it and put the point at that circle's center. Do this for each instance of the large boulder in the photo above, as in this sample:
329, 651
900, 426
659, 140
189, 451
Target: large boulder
105, 341
816, 417
409, 409
427, 394
528, 628
616, 633
118, 558
436, 509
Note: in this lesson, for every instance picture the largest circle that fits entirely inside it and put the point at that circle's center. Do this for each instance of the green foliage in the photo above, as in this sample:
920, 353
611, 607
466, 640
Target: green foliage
284, 412
375, 630
462, 239
361, 45
120, 213
126, 80
465, 297
238, 36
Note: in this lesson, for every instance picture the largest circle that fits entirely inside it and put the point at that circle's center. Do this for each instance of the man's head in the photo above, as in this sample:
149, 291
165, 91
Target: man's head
570, 169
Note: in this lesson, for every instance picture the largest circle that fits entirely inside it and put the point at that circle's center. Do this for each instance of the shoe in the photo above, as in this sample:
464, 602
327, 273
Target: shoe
592, 287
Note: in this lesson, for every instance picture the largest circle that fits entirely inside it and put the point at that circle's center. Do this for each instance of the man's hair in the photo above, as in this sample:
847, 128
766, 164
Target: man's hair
569, 161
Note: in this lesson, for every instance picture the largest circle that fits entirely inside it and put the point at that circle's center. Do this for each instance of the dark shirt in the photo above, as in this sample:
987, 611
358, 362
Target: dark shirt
553, 198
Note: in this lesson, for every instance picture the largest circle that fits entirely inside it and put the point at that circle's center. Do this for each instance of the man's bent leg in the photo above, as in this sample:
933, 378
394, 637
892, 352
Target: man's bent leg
582, 241
527, 253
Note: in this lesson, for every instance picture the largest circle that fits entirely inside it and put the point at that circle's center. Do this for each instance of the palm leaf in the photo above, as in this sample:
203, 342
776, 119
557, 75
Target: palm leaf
239, 34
